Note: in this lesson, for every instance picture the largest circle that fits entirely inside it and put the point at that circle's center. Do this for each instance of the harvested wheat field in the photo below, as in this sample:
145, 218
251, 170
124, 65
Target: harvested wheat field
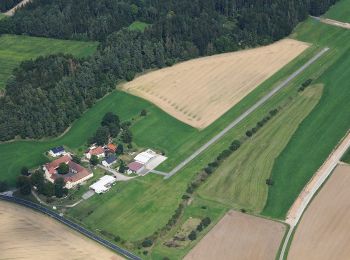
25, 234
240, 236
323, 232
199, 91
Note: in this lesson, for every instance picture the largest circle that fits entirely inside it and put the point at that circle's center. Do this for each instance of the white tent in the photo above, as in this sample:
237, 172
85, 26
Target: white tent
103, 184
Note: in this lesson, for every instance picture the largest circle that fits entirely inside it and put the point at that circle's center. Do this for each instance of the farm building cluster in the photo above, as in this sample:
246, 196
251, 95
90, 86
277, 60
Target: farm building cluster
76, 173
143, 163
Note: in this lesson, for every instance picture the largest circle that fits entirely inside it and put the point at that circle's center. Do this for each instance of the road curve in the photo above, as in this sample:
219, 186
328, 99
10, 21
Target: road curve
72, 225
246, 113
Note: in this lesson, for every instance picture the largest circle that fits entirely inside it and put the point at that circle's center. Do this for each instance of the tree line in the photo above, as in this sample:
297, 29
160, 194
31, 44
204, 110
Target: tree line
46, 95
6, 5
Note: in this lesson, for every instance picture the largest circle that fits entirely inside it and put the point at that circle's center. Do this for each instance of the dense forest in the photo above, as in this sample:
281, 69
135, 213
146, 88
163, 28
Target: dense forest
6, 5
39, 102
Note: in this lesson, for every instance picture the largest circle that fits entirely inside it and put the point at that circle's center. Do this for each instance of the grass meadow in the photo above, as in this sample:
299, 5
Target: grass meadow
240, 181
135, 209
320, 132
138, 26
340, 11
15, 49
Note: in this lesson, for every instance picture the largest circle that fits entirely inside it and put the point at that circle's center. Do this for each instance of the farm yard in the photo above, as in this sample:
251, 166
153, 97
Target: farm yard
42, 236
199, 91
240, 236
323, 230
15, 49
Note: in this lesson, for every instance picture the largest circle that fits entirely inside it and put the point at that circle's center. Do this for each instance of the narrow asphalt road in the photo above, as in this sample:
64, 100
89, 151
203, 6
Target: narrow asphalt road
303, 200
246, 113
72, 225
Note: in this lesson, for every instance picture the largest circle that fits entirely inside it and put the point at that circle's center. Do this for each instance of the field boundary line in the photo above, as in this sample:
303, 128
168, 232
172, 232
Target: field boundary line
318, 179
247, 112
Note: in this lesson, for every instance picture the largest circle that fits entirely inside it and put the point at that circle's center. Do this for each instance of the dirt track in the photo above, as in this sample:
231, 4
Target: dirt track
26, 234
240, 236
323, 232
199, 91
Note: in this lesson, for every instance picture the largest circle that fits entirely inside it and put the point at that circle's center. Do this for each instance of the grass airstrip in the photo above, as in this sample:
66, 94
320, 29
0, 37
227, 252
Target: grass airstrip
15, 49
136, 209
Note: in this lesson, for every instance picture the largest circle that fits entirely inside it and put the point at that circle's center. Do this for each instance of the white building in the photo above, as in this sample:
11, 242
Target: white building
57, 151
103, 184
145, 157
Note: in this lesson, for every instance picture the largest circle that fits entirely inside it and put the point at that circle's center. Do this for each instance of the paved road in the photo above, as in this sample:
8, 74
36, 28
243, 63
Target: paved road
246, 113
72, 225
303, 200
119, 176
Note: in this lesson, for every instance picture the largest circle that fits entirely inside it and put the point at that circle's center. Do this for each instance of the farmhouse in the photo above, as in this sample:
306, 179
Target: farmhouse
57, 151
98, 151
76, 174
103, 185
110, 160
111, 148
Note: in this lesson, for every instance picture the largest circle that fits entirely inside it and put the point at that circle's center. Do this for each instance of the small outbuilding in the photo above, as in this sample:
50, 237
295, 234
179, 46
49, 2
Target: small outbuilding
57, 151
110, 160
136, 167
103, 184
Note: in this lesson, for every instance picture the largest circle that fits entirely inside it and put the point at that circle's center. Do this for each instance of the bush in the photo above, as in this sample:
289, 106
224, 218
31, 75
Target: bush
235, 145
206, 221
269, 182
3, 186
143, 112
117, 239
185, 197
147, 243
130, 75
249, 133
208, 170
213, 164
25, 171
192, 236
199, 227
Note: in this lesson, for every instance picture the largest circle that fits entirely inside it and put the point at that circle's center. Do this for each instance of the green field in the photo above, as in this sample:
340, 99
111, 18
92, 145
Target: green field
340, 11
138, 26
240, 181
322, 129
15, 49
346, 157
136, 209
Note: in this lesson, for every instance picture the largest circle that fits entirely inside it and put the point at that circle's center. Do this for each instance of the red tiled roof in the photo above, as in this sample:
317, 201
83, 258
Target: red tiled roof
135, 166
80, 173
112, 147
97, 151
52, 166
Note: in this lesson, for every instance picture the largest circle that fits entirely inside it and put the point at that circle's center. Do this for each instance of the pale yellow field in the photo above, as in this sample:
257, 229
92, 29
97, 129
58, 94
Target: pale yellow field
25, 234
323, 232
240, 236
199, 91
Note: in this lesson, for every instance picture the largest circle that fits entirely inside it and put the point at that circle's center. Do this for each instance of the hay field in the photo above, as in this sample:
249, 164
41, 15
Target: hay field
26, 234
199, 91
240, 236
323, 232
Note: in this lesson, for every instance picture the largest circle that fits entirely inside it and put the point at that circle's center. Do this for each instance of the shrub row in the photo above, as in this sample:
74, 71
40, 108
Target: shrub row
304, 85
261, 123
201, 226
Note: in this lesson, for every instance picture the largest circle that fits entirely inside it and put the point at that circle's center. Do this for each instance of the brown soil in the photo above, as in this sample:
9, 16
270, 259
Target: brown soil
199, 91
25, 234
240, 236
323, 232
